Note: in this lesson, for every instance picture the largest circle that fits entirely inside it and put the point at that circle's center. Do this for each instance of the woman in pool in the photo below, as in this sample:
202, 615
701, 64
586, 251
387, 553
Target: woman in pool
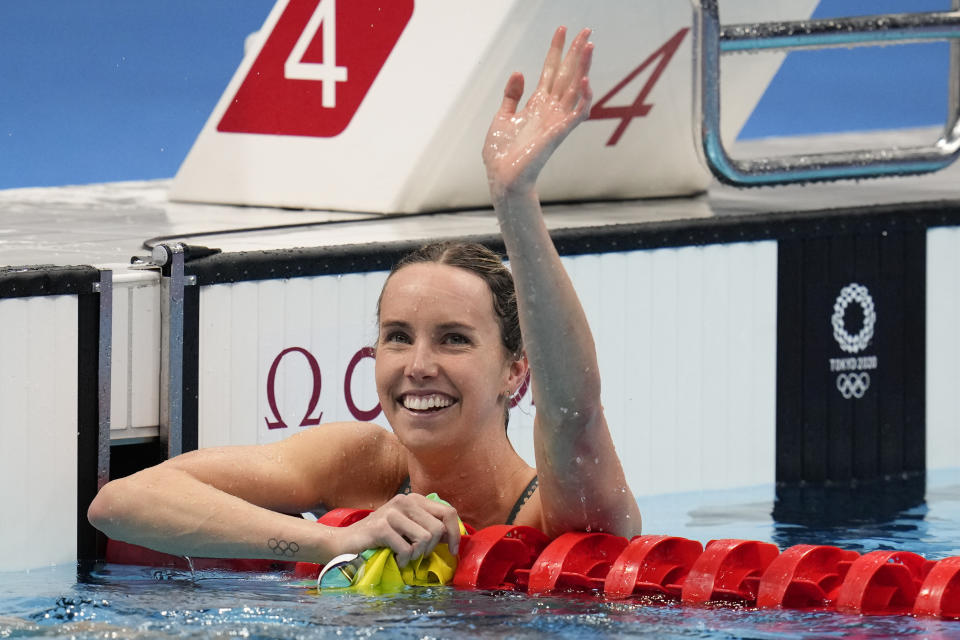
448, 358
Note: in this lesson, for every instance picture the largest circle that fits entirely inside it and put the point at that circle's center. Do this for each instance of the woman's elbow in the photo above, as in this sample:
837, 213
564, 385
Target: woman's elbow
106, 506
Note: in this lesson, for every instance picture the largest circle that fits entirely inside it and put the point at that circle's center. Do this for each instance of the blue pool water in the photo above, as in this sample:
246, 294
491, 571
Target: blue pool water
113, 601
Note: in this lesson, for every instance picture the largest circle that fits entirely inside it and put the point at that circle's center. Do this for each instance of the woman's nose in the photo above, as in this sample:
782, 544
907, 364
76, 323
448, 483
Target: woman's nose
422, 362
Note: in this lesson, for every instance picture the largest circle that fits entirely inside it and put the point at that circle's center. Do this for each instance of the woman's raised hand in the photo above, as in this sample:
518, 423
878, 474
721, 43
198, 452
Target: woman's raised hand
411, 525
519, 143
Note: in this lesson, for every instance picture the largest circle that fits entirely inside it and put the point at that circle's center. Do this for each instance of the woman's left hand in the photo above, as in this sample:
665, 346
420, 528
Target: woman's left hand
519, 143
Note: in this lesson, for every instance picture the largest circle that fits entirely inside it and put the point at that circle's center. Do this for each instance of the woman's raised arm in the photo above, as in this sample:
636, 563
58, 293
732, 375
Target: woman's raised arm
582, 486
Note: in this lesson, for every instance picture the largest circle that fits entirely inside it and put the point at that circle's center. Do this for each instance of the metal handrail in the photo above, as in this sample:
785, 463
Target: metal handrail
711, 40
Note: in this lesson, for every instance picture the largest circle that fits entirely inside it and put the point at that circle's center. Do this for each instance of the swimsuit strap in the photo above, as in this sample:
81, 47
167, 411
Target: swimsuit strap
522, 500
404, 488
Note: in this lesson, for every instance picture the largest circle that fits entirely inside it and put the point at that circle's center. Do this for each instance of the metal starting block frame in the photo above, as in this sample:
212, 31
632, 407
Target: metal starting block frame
711, 40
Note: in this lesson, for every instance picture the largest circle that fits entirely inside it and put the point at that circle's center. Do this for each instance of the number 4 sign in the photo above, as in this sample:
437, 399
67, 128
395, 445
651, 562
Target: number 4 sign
316, 67
639, 107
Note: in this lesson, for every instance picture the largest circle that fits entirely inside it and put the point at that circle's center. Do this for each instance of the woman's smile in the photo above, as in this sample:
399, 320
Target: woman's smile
420, 403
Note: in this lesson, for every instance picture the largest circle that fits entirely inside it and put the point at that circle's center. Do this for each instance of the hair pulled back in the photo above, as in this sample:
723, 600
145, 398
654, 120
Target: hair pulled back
485, 263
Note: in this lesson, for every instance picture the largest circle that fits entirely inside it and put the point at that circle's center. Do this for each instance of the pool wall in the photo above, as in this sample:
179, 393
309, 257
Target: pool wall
943, 348
700, 392
685, 313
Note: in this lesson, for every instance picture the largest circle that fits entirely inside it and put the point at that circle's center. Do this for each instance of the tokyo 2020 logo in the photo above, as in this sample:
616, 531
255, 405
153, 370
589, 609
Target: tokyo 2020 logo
853, 381
858, 293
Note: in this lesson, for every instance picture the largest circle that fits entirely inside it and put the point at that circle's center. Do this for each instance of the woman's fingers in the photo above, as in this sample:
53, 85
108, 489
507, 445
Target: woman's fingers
415, 538
576, 89
520, 141
571, 69
411, 525
586, 99
440, 523
400, 546
552, 62
448, 524
512, 93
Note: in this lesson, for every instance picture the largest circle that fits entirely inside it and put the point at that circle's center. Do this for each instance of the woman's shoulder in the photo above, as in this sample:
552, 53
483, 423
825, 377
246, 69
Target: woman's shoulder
358, 463
350, 432
365, 439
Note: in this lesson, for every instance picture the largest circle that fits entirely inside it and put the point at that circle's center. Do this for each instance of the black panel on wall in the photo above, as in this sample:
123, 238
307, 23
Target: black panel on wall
91, 544
850, 356
191, 368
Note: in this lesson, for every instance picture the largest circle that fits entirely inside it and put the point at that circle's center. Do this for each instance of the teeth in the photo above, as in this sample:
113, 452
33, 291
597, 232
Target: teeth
422, 403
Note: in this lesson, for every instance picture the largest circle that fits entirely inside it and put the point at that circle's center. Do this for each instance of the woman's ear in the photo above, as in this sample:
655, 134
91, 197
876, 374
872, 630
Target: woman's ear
519, 375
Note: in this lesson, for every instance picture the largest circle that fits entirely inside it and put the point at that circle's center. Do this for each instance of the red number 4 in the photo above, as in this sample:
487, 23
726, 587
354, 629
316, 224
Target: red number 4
639, 108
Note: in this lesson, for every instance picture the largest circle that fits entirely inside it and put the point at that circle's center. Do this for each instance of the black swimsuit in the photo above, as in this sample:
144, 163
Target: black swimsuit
522, 500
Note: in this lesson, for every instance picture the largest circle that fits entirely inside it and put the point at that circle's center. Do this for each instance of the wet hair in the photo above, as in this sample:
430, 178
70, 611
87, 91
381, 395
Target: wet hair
480, 260
485, 263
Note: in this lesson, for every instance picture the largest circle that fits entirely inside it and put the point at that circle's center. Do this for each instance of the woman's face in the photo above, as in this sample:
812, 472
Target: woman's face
441, 367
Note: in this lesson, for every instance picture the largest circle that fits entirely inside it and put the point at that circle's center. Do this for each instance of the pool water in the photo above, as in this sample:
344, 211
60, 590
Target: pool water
115, 601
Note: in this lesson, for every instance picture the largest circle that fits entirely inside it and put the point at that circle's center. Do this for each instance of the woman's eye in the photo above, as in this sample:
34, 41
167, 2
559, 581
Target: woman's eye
456, 338
398, 337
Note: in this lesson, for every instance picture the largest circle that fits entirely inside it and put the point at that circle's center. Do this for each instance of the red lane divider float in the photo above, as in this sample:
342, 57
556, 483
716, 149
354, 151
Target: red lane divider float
574, 561
742, 571
728, 570
940, 593
883, 582
652, 565
804, 576
490, 558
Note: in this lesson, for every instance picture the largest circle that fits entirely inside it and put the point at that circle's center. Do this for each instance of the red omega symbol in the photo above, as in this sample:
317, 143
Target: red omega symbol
359, 414
314, 396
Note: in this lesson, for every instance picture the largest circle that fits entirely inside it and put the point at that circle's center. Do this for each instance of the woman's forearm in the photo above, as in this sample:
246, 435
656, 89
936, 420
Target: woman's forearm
557, 336
167, 509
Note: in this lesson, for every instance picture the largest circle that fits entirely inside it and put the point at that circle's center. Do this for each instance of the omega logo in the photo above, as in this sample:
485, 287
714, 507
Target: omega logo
309, 419
359, 414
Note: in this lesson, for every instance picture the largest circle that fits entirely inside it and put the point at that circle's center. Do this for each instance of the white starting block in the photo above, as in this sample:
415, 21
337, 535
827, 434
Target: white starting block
382, 106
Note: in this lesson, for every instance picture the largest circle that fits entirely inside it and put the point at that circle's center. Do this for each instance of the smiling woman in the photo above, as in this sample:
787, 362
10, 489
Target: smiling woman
487, 266
449, 356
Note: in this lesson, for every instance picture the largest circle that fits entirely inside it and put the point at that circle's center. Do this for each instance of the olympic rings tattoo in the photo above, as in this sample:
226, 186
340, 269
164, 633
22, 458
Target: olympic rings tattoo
282, 547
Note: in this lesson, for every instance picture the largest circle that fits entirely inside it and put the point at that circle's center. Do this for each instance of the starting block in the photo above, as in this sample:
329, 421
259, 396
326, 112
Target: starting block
383, 107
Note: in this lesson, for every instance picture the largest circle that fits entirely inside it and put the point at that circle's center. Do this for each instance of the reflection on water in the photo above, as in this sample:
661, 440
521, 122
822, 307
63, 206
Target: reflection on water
120, 602
884, 514
838, 505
